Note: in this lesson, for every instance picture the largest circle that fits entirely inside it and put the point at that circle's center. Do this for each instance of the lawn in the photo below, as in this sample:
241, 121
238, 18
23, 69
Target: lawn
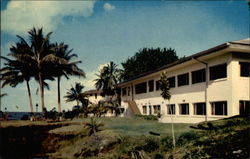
138, 126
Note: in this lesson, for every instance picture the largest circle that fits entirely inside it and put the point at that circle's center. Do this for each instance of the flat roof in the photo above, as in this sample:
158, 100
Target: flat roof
188, 58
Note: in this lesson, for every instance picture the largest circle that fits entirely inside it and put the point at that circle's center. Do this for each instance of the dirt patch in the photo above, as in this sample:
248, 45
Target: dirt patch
26, 141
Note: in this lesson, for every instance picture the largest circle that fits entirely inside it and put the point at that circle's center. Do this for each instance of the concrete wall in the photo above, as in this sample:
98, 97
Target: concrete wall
231, 89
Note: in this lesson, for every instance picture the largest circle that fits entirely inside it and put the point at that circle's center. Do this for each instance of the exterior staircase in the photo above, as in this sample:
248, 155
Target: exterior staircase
134, 108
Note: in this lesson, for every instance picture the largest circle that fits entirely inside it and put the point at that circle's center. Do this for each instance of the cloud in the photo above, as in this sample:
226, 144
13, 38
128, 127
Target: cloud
108, 7
91, 76
20, 16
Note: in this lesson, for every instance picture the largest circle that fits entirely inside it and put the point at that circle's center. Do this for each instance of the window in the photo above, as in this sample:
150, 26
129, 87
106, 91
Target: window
199, 108
151, 85
245, 69
128, 91
171, 82
157, 85
171, 108
219, 108
183, 79
124, 91
141, 88
218, 71
198, 76
184, 109
150, 110
157, 109
244, 107
144, 109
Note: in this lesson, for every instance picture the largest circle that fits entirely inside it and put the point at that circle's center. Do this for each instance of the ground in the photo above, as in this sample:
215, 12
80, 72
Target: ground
125, 138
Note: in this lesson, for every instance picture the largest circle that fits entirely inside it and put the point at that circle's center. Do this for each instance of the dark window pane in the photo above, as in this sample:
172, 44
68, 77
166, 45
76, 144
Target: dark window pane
184, 109
124, 91
200, 108
151, 85
171, 81
198, 76
218, 71
171, 109
141, 88
183, 79
157, 85
219, 108
244, 69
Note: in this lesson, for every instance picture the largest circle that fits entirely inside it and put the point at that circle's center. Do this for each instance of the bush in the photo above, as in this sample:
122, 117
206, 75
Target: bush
186, 137
166, 143
147, 117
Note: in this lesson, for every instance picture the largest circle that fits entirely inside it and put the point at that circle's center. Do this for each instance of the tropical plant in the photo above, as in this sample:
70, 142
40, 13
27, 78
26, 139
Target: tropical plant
165, 93
93, 126
67, 68
75, 93
18, 70
41, 56
107, 79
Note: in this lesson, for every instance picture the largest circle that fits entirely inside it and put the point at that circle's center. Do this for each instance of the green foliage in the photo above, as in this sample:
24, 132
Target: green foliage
93, 126
147, 117
147, 59
187, 137
107, 78
164, 86
76, 94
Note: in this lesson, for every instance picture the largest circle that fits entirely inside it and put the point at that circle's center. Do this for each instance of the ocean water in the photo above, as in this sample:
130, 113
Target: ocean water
18, 115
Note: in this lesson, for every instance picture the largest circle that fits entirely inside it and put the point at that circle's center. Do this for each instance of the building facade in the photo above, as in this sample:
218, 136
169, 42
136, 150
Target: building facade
209, 85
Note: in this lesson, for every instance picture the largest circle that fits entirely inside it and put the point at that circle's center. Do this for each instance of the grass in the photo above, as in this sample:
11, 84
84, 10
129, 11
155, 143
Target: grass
127, 137
138, 126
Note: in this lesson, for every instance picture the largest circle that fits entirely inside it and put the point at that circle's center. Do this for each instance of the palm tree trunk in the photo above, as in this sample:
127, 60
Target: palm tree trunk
29, 94
77, 102
42, 92
59, 96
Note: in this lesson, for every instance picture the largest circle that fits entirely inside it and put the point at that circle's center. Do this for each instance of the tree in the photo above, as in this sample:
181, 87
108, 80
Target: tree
67, 68
107, 79
18, 70
147, 59
76, 94
165, 93
41, 57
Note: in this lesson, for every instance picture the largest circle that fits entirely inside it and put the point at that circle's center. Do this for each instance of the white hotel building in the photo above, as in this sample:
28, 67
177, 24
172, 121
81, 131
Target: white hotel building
209, 85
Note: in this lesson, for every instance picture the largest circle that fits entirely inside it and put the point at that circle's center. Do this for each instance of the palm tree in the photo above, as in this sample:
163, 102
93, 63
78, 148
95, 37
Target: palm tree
76, 94
107, 79
16, 71
65, 69
165, 88
41, 56
93, 126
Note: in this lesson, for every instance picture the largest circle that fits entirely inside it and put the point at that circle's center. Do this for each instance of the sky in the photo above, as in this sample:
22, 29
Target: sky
103, 31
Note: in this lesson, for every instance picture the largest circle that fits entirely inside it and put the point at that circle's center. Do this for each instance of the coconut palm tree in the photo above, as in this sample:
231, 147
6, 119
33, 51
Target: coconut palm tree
41, 56
75, 93
69, 68
17, 71
107, 79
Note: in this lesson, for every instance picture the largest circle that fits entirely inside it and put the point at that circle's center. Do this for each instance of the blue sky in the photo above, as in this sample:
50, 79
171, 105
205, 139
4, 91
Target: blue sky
103, 31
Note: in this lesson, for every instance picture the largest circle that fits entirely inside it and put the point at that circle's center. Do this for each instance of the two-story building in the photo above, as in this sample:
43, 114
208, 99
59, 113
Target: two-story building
209, 85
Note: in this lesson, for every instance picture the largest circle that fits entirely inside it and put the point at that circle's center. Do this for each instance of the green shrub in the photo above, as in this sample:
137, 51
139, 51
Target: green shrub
166, 143
147, 117
186, 137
